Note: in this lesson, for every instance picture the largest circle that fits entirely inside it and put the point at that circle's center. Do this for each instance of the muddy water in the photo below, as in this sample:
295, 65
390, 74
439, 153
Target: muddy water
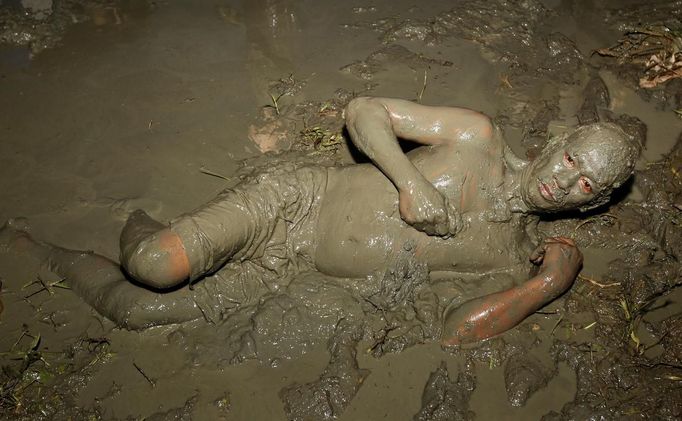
138, 102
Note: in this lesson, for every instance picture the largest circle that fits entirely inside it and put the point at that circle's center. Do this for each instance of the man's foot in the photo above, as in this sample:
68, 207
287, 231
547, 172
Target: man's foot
15, 234
15, 237
121, 209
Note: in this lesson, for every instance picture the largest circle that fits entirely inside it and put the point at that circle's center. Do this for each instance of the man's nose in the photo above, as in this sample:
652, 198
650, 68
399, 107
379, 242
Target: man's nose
566, 178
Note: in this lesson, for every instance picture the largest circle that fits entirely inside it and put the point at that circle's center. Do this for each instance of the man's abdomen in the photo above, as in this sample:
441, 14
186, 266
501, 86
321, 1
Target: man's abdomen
359, 222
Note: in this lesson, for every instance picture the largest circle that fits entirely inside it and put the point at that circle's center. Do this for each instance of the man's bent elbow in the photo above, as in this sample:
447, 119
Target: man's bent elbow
159, 261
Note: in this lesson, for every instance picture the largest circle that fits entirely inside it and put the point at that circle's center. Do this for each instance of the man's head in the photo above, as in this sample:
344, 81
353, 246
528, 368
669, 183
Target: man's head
580, 169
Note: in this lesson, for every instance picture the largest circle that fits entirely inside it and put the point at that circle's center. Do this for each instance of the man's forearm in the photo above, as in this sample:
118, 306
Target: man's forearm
371, 131
490, 315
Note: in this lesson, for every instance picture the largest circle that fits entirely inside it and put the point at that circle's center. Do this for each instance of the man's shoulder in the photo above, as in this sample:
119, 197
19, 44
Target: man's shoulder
484, 136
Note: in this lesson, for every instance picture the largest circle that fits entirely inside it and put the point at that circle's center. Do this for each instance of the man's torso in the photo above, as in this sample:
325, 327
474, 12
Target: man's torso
360, 225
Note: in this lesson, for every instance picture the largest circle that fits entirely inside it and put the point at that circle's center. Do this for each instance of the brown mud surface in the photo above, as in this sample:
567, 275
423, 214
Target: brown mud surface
112, 106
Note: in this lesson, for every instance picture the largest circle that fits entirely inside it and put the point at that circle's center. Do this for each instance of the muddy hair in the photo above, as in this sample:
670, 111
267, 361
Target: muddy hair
624, 148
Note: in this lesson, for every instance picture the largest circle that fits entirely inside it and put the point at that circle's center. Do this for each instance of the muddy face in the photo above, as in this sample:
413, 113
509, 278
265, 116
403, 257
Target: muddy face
579, 170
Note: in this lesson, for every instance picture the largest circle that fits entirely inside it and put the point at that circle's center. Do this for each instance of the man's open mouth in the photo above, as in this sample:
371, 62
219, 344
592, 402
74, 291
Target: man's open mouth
546, 191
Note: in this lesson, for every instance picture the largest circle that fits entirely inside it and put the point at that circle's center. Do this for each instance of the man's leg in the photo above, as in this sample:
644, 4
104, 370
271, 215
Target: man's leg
152, 253
164, 256
100, 282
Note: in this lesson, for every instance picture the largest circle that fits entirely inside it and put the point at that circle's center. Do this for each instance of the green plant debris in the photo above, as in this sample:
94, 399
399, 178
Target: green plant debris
45, 286
275, 102
15, 380
320, 138
282, 87
25, 381
633, 316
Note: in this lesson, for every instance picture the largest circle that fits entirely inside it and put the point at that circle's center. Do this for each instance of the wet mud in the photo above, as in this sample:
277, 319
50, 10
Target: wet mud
113, 106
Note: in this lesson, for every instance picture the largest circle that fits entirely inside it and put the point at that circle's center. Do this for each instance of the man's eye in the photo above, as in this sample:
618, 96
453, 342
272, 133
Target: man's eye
568, 160
585, 185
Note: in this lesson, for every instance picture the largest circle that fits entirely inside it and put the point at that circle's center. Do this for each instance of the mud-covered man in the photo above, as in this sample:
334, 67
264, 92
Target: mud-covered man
463, 200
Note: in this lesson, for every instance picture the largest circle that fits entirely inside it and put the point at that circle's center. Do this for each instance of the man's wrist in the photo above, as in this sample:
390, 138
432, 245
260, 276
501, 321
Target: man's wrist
557, 278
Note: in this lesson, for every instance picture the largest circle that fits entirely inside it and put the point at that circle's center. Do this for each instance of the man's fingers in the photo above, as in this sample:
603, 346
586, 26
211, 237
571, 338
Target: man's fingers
454, 220
555, 249
538, 254
453, 226
443, 229
560, 240
425, 227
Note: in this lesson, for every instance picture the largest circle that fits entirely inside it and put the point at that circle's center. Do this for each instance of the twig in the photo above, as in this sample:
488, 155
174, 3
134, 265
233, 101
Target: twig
144, 375
670, 377
212, 173
23, 333
556, 324
421, 93
589, 220
599, 284
547, 312
504, 79
591, 325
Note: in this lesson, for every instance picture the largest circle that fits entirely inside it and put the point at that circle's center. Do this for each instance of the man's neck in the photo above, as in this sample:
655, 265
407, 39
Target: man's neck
512, 182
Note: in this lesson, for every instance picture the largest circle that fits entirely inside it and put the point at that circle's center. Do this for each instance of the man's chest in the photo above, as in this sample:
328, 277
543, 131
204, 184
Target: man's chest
473, 181
481, 247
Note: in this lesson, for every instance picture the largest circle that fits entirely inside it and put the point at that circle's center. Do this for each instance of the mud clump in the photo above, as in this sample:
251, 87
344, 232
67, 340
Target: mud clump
446, 400
659, 217
564, 59
184, 413
62, 375
327, 397
392, 53
617, 386
273, 325
596, 100
524, 375
401, 280
41, 24
403, 305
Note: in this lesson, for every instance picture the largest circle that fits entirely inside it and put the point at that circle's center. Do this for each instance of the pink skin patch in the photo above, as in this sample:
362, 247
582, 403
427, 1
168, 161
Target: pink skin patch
270, 137
546, 191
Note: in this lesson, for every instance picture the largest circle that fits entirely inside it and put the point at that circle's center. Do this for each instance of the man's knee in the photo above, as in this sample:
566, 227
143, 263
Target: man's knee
158, 261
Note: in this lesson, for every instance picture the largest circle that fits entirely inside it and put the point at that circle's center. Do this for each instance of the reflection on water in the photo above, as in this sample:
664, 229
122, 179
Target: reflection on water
273, 33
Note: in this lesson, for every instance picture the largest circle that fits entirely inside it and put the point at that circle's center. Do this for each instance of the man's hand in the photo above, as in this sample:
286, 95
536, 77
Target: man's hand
559, 258
427, 210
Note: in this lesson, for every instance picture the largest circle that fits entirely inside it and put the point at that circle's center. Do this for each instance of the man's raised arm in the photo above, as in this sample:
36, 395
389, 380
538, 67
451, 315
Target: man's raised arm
374, 125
